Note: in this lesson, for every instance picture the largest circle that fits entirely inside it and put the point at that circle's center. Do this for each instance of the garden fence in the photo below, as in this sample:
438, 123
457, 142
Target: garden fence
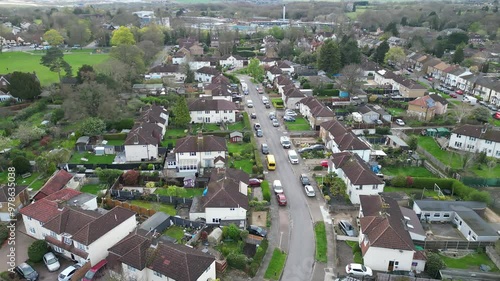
452, 244
480, 182
135, 195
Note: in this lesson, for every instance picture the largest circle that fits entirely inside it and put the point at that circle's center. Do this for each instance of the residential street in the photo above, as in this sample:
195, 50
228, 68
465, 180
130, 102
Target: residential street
292, 226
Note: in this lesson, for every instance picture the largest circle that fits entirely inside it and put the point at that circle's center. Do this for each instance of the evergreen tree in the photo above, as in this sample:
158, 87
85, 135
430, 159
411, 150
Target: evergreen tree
349, 52
380, 52
329, 58
458, 56
181, 118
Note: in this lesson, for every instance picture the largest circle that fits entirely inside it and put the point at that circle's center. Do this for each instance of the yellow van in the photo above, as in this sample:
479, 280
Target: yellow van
271, 163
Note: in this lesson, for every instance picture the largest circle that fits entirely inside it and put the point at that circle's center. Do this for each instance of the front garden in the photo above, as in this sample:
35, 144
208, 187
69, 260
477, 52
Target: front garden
300, 124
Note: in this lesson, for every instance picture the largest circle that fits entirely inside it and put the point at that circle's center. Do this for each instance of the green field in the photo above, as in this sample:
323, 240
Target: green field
472, 262
300, 124
30, 62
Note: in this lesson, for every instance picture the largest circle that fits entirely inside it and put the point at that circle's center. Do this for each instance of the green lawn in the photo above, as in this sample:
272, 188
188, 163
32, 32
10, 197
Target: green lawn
300, 124
408, 190
237, 126
239, 147
244, 165
472, 262
396, 111
32, 180
205, 127
175, 231
175, 133
276, 265
93, 159
190, 192
321, 243
356, 251
29, 62
93, 188
407, 171
159, 207
115, 142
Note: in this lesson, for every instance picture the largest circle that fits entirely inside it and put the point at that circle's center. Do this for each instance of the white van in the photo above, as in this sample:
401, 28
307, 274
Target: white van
293, 157
265, 100
285, 142
249, 103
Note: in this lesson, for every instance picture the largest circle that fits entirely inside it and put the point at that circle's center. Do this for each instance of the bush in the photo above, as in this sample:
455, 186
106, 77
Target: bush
31, 110
459, 189
257, 258
318, 168
238, 261
123, 124
399, 181
326, 92
37, 250
22, 165
131, 177
266, 191
231, 231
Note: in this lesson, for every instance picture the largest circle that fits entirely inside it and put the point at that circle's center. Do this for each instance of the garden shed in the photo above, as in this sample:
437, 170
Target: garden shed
99, 150
235, 137
81, 143
215, 236
443, 132
159, 222
430, 132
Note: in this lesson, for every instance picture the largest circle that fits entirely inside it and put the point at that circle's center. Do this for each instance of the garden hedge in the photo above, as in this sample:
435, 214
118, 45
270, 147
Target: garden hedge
266, 191
119, 136
257, 258
459, 189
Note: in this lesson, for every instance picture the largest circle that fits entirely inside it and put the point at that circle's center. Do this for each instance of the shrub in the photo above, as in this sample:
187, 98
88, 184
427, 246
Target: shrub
131, 177
126, 123
399, 181
266, 192
119, 136
231, 231
257, 258
244, 234
318, 168
22, 165
238, 261
37, 250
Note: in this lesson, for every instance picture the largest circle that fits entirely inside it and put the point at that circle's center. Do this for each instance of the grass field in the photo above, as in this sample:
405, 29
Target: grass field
407, 171
190, 192
29, 62
33, 181
237, 126
321, 243
167, 209
300, 124
276, 265
472, 262
76, 158
356, 251
93, 188
408, 190
175, 231
396, 111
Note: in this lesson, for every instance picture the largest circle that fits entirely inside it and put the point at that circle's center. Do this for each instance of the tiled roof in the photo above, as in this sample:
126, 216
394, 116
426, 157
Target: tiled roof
283, 80
4, 194
478, 131
420, 101
275, 70
165, 68
370, 205
221, 79
321, 111
355, 168
47, 208
223, 189
55, 183
208, 70
144, 133
210, 104
294, 93
152, 114
282, 64
200, 144
438, 98
345, 139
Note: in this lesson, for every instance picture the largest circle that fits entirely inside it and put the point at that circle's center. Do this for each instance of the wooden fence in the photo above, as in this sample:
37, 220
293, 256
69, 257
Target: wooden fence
452, 244
139, 210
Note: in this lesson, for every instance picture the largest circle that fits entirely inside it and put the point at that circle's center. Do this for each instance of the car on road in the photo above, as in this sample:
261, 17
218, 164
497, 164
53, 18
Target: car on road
51, 261
27, 272
317, 147
358, 270
281, 198
268, 105
257, 230
496, 115
249, 103
483, 103
309, 191
259, 133
96, 272
264, 148
257, 126
276, 123
493, 107
459, 92
400, 122
272, 115
253, 182
304, 179
68, 272
278, 187
289, 118
253, 116
346, 227
453, 95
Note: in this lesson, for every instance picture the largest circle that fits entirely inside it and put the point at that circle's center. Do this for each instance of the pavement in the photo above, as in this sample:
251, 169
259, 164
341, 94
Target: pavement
291, 226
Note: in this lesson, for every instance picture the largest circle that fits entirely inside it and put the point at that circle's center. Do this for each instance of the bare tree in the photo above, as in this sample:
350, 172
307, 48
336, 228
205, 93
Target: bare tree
349, 77
468, 158
461, 111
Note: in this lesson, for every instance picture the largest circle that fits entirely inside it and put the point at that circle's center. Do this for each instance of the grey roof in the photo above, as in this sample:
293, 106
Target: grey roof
83, 139
474, 221
155, 221
208, 104
437, 206
414, 221
397, 140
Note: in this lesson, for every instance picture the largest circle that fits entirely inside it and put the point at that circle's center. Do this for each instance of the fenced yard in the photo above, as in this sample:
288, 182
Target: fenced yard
241, 156
300, 124
407, 171
76, 158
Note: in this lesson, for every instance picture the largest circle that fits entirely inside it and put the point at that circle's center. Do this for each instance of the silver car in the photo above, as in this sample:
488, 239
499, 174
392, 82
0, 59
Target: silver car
51, 261
276, 123
309, 191
347, 228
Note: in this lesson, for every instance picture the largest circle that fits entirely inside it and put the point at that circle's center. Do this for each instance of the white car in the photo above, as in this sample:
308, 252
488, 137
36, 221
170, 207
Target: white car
309, 191
357, 269
51, 261
400, 122
67, 273
291, 113
276, 123
277, 187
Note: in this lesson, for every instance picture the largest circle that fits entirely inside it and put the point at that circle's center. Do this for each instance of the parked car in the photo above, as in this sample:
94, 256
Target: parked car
68, 272
276, 123
453, 95
96, 272
51, 261
289, 118
281, 198
257, 126
268, 105
304, 179
259, 133
264, 148
324, 163
309, 191
277, 186
400, 122
253, 182
253, 116
272, 115
27, 272
496, 115
459, 92
313, 147
493, 107
346, 227
291, 113
256, 230
358, 270
379, 122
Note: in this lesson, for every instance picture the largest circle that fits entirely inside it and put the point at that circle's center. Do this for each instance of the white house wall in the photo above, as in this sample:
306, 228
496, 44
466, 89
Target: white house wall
33, 227
354, 191
213, 214
209, 274
467, 143
378, 258
135, 153
213, 116
202, 77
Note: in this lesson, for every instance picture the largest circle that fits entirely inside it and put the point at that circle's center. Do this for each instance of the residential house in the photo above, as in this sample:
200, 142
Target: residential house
146, 256
180, 58
422, 108
12, 199
166, 70
465, 215
396, 142
194, 152
4, 84
440, 104
199, 62
235, 61
315, 112
369, 116
36, 214
488, 89
395, 41
357, 175
338, 138
385, 242
226, 199
476, 138
267, 62
452, 77
214, 111
205, 74
59, 180
412, 59
466, 82
217, 91
437, 71
142, 142
425, 62
272, 72
281, 82
190, 46
368, 67
292, 98
406, 87
286, 67
155, 114
325, 35
384, 115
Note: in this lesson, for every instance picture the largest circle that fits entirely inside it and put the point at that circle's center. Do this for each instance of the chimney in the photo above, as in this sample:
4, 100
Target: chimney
60, 206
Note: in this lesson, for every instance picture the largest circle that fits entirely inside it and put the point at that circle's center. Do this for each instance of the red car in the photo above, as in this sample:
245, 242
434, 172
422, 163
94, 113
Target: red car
324, 163
496, 115
453, 95
460, 92
281, 198
254, 182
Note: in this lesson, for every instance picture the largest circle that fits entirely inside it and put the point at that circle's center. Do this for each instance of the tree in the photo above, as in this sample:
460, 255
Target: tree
349, 52
481, 114
45, 166
189, 73
467, 159
255, 70
395, 55
85, 73
37, 250
131, 177
54, 60
56, 116
152, 33
392, 28
108, 176
413, 143
149, 50
91, 99
27, 133
181, 118
461, 111
231, 231
349, 77
131, 55
24, 86
22, 165
285, 49
122, 36
53, 37
5, 143
458, 56
434, 264
92, 126
380, 52
79, 33
329, 57
485, 67
176, 191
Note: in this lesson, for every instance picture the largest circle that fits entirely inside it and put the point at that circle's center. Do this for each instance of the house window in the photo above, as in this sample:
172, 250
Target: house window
231, 209
57, 249
374, 186
157, 274
32, 230
29, 218
182, 153
208, 152
497, 153
458, 144
81, 246
216, 220
53, 234
472, 138
470, 146
131, 268
230, 111
225, 111
474, 237
437, 215
207, 111
41, 223
487, 142
216, 111
456, 219
68, 241
459, 136
192, 153
446, 215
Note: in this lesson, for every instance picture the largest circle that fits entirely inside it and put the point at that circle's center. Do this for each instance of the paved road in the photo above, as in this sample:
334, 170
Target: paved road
294, 233
161, 56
